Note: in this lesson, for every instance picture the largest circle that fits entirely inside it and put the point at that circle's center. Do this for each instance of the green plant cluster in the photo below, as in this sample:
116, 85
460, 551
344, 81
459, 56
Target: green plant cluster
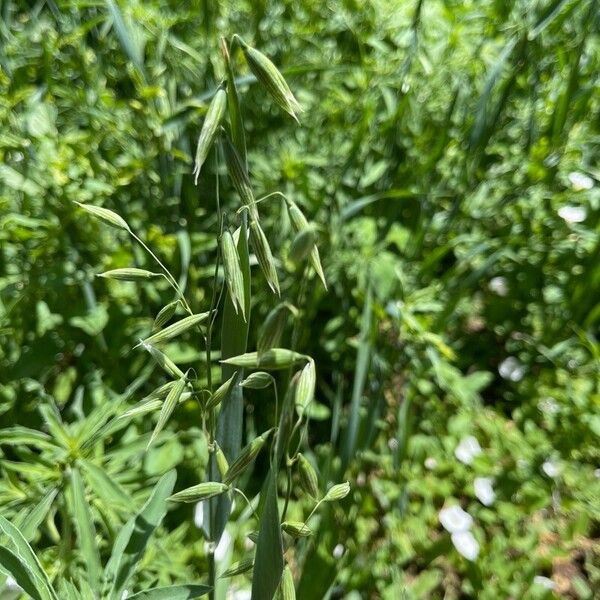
446, 162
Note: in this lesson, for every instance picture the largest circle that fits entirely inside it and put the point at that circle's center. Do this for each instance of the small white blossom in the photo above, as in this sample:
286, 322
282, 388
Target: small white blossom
466, 544
454, 519
580, 181
393, 309
468, 448
545, 582
223, 546
597, 473
499, 286
484, 490
510, 368
551, 468
125, 595
338, 551
549, 406
572, 214
393, 444
431, 463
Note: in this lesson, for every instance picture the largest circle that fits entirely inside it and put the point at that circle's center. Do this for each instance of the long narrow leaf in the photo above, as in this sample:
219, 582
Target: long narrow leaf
27, 557
33, 519
360, 376
234, 339
11, 565
131, 542
268, 562
104, 486
173, 592
84, 526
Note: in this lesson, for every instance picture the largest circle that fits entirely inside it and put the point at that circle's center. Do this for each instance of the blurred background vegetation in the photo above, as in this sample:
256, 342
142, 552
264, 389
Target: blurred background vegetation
448, 150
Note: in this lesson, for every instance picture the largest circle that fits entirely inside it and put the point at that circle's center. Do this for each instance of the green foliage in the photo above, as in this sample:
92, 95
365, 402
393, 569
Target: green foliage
433, 229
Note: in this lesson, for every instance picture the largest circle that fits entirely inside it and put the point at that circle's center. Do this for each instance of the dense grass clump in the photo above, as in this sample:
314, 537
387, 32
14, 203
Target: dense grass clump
310, 309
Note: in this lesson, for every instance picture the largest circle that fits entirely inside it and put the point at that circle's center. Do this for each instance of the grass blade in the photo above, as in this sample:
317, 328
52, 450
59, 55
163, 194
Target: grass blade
11, 564
127, 37
360, 376
84, 526
268, 562
131, 542
33, 519
28, 559
234, 340
104, 486
173, 592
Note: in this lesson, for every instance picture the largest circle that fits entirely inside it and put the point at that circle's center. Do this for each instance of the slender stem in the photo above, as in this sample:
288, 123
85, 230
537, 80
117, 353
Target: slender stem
312, 512
247, 502
261, 199
288, 491
212, 576
168, 275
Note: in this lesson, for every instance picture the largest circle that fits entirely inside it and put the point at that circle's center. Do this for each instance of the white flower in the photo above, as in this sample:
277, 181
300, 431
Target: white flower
430, 463
125, 595
510, 368
484, 490
468, 448
393, 444
580, 182
223, 546
597, 473
572, 214
549, 406
454, 519
393, 309
498, 285
338, 551
545, 582
551, 468
199, 515
466, 544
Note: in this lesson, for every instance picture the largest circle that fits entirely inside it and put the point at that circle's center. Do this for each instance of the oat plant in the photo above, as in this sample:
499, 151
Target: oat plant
241, 232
